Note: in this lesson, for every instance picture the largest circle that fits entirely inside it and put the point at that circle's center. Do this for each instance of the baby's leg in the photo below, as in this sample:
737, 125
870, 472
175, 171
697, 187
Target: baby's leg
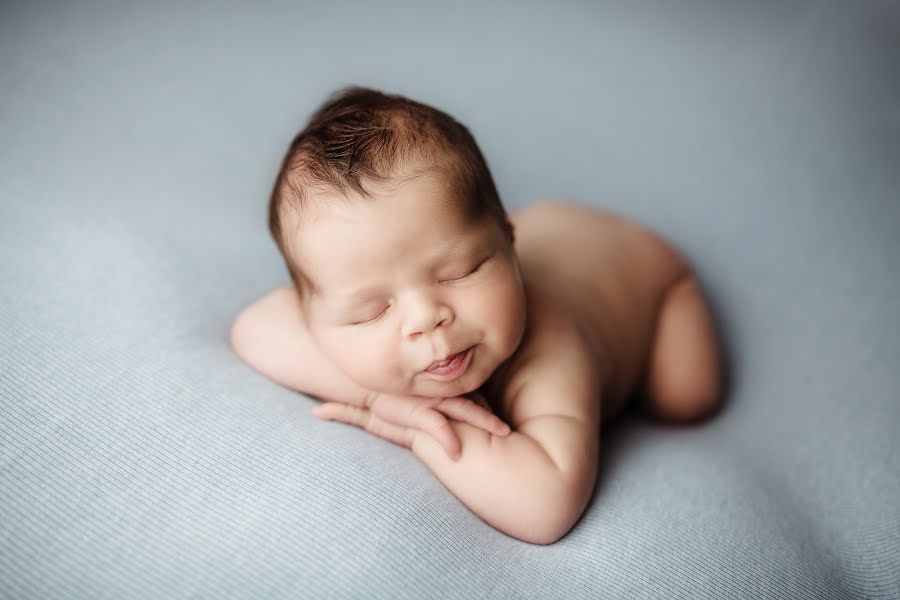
683, 381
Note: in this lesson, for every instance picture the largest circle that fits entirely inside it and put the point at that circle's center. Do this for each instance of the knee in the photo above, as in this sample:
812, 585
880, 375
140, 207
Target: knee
685, 397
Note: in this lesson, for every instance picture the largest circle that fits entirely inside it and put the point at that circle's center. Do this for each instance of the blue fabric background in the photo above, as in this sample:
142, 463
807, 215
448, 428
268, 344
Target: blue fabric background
139, 458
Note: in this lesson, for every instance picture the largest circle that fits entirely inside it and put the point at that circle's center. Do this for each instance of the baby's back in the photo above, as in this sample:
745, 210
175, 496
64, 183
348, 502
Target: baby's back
608, 272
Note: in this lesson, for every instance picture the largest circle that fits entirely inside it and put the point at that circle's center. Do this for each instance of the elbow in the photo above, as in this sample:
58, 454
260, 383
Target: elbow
545, 536
553, 512
549, 528
240, 335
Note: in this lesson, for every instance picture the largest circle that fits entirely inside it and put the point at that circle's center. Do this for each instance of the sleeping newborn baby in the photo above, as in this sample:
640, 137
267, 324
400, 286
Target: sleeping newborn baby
495, 347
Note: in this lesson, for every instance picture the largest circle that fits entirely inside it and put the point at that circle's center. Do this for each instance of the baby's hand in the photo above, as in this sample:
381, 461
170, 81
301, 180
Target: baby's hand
390, 416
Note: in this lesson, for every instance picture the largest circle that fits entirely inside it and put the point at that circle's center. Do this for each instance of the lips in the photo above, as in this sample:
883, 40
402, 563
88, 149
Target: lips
445, 362
451, 367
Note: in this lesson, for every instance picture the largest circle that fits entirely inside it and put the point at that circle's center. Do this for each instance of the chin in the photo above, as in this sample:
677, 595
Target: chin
450, 389
470, 383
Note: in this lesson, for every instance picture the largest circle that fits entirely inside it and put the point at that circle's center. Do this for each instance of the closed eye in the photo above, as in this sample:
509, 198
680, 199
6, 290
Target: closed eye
476, 269
373, 319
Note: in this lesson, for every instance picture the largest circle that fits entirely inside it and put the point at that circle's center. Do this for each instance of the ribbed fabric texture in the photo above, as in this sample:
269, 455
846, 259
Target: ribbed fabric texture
139, 458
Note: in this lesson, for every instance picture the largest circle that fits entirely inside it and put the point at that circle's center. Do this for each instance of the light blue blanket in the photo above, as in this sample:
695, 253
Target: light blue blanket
140, 458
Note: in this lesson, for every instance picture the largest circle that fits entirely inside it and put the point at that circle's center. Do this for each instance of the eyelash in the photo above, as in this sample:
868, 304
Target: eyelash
467, 274
373, 319
381, 314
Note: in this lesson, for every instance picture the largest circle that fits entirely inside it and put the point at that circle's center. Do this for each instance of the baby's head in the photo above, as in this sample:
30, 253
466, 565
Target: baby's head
396, 241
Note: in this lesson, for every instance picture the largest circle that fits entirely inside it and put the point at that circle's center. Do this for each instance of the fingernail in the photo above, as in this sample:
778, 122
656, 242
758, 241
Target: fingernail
505, 429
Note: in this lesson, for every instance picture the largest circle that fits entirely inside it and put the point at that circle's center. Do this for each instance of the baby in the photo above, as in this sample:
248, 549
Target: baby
491, 345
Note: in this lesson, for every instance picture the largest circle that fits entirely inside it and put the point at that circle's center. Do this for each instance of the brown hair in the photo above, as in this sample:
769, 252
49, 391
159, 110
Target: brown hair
360, 134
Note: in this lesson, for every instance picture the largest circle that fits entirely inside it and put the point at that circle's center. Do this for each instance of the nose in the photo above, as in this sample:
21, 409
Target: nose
423, 313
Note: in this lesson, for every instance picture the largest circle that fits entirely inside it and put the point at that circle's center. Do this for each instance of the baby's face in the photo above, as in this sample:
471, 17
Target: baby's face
404, 281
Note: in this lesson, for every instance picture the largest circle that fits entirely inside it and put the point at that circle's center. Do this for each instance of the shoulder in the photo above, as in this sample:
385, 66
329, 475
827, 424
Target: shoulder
555, 372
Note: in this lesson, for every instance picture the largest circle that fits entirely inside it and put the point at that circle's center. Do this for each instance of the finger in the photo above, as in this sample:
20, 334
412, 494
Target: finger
363, 418
478, 399
468, 411
417, 413
435, 424
345, 413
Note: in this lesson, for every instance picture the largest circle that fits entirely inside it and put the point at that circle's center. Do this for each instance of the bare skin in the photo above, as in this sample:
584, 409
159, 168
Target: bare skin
636, 301
613, 314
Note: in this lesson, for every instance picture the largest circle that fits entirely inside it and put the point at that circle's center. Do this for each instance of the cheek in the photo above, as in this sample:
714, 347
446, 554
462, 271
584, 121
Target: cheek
365, 356
500, 309
511, 318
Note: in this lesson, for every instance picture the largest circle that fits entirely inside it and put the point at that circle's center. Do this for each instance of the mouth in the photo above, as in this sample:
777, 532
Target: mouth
452, 366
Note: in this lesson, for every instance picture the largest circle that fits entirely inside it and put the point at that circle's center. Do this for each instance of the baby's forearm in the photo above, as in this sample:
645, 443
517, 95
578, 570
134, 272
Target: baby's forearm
508, 481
